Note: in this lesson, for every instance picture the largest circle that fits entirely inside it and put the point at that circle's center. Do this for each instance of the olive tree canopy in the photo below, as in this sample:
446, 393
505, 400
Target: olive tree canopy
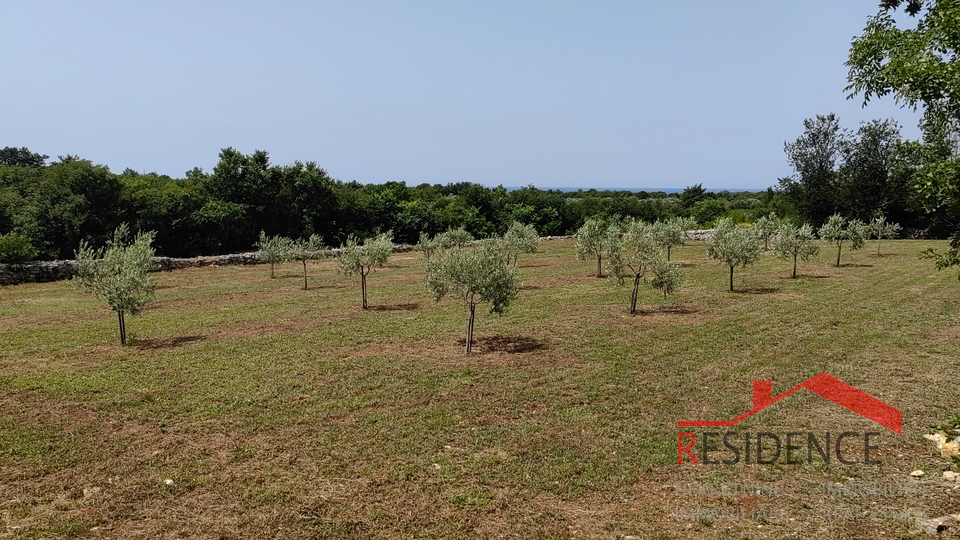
118, 273
477, 275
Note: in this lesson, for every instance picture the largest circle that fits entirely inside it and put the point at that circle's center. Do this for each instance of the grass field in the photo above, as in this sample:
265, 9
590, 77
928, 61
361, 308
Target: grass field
247, 407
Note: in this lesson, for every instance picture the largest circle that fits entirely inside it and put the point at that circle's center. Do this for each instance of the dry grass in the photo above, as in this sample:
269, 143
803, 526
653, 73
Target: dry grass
279, 412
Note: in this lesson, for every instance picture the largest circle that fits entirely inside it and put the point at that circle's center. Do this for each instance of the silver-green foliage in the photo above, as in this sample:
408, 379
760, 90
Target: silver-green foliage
767, 227
591, 241
792, 242
518, 239
273, 249
733, 244
633, 250
458, 237
477, 275
880, 228
838, 231
668, 234
427, 245
119, 273
355, 258
304, 250
668, 278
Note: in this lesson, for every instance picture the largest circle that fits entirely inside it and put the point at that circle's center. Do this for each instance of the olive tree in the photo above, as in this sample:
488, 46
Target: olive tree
767, 227
795, 242
733, 244
273, 249
632, 252
118, 273
478, 275
668, 234
518, 239
304, 250
360, 259
427, 245
458, 237
838, 230
591, 241
667, 277
880, 228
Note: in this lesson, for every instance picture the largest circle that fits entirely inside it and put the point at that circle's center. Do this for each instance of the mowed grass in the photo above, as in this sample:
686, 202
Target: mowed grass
247, 407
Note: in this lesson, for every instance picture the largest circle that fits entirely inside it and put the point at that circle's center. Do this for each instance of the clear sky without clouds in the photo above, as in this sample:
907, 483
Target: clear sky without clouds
620, 94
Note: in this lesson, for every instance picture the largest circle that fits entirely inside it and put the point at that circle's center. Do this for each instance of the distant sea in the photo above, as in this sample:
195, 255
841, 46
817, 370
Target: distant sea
635, 190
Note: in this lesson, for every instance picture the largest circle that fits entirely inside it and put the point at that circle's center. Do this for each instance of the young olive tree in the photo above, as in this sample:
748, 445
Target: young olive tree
478, 275
880, 228
360, 259
838, 230
632, 252
118, 273
591, 241
668, 234
458, 237
304, 250
667, 277
767, 227
428, 246
519, 239
795, 242
733, 244
273, 249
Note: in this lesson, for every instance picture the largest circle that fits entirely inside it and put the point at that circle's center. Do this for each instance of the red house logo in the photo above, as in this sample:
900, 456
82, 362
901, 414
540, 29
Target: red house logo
823, 385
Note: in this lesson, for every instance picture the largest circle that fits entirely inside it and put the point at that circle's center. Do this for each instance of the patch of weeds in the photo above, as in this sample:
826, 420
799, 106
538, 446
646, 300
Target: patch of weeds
476, 498
242, 452
17, 441
274, 496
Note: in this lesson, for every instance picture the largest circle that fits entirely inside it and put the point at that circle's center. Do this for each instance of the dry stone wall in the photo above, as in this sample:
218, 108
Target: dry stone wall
43, 271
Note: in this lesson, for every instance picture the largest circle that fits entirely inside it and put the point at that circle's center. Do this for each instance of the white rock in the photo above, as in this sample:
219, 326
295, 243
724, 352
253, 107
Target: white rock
90, 492
950, 476
939, 525
168, 482
917, 473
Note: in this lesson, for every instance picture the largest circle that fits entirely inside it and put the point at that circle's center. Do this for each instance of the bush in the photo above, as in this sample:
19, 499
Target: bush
16, 248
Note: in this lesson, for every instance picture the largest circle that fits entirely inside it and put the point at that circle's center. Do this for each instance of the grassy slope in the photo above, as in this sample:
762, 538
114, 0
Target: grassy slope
278, 411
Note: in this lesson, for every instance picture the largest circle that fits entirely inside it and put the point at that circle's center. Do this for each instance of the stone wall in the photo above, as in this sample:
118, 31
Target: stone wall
43, 271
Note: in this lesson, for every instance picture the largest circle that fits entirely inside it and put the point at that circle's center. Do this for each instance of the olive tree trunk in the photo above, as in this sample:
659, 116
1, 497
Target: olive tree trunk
123, 328
731, 278
363, 287
633, 297
473, 308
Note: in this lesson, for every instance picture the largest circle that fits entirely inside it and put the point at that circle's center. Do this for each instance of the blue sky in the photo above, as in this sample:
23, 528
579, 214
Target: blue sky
620, 94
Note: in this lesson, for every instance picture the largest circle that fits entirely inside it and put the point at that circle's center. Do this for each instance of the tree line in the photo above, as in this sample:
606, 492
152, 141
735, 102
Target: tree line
48, 207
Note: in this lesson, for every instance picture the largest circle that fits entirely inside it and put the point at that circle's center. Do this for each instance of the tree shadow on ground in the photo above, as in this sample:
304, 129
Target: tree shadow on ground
149, 344
852, 265
757, 290
530, 288
674, 309
507, 344
396, 307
